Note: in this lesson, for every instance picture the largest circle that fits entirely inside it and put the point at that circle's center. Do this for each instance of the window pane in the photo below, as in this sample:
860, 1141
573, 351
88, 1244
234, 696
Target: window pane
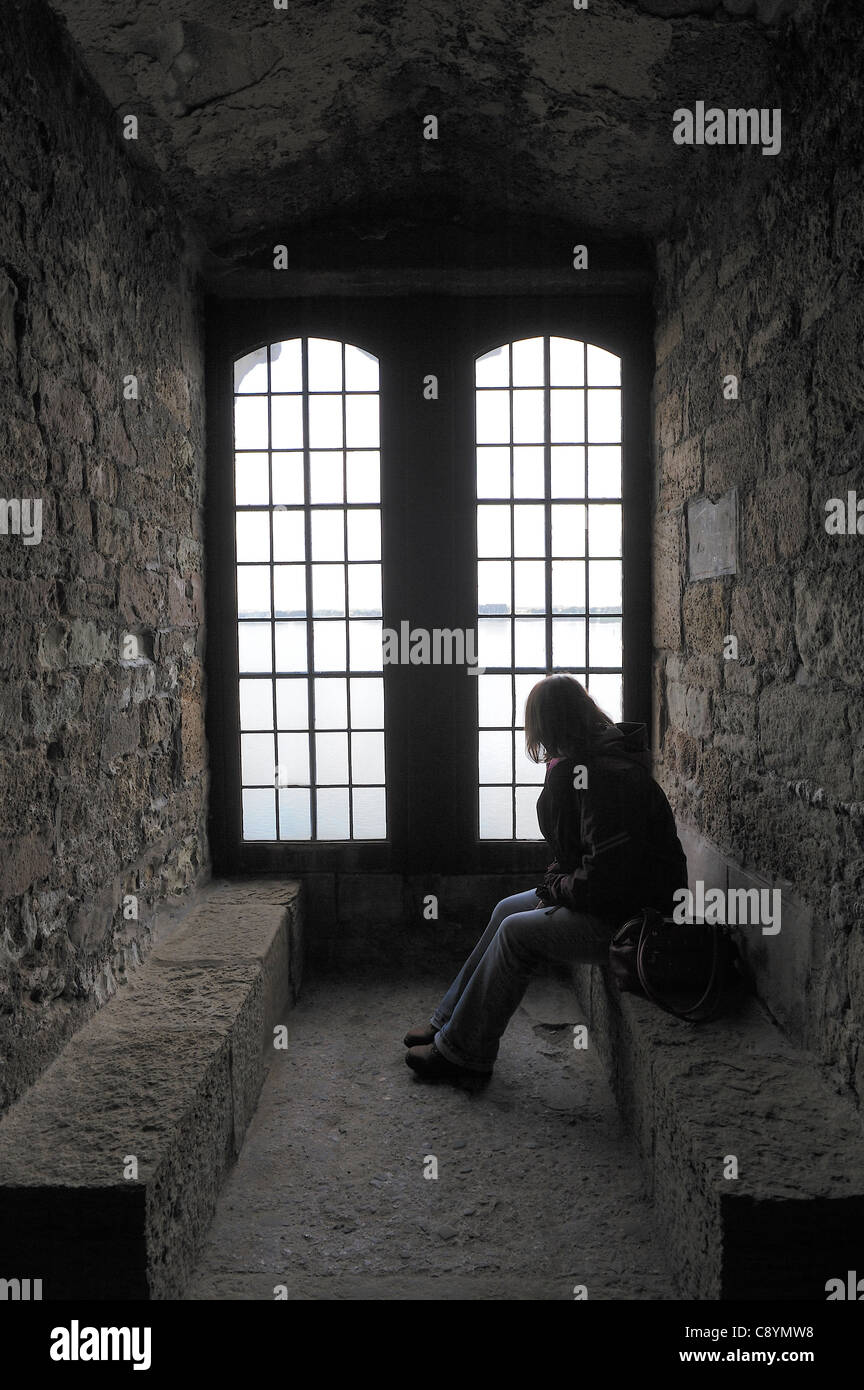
493, 642
568, 586
256, 705
253, 591
331, 703
496, 813
493, 368
250, 422
329, 645
286, 421
604, 417
289, 538
292, 765
530, 586
251, 480
604, 471
295, 818
325, 422
567, 412
290, 646
286, 372
325, 365
333, 821
493, 417
361, 370
606, 690
526, 770
604, 530
259, 815
604, 368
528, 423
253, 536
369, 813
493, 530
292, 704
325, 476
529, 472
255, 646
366, 637
328, 591
568, 471
362, 424
289, 591
523, 685
527, 827
331, 757
364, 476
604, 641
568, 529
529, 530
367, 703
328, 535
493, 472
604, 581
364, 535
528, 362
257, 759
566, 362
367, 757
495, 701
493, 586
568, 643
364, 590
530, 642
288, 479
250, 372
496, 756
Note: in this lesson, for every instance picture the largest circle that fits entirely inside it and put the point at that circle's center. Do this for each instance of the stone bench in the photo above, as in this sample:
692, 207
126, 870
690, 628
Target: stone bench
734, 1086
168, 1072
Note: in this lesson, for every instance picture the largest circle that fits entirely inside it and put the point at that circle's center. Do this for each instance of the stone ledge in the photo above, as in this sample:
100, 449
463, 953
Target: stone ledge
169, 1071
694, 1094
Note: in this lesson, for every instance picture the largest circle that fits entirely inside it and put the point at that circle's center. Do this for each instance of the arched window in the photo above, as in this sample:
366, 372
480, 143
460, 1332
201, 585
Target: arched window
392, 479
548, 441
308, 573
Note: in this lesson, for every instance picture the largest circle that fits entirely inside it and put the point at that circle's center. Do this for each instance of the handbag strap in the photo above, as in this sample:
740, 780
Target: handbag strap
707, 1004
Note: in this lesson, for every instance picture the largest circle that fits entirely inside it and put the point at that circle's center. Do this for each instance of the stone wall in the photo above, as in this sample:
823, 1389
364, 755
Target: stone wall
102, 751
763, 755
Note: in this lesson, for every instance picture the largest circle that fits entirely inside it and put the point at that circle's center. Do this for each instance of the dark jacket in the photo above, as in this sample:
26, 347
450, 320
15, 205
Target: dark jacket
615, 844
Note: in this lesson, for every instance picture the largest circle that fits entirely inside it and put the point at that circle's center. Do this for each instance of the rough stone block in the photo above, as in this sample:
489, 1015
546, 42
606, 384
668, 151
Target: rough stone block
705, 622
667, 567
776, 521
781, 963
735, 1087
761, 619
168, 1072
829, 621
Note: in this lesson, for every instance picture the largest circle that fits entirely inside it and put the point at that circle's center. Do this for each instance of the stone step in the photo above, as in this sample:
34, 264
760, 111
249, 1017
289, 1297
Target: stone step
695, 1095
168, 1072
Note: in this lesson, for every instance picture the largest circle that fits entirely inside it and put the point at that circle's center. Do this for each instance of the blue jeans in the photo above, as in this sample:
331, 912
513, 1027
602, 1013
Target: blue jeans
521, 934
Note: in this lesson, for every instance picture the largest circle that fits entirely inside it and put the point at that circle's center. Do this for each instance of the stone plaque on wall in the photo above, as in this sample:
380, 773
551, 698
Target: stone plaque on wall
712, 536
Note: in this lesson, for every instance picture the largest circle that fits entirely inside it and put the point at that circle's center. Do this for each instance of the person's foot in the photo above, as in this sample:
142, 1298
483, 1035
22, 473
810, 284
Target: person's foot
419, 1037
430, 1065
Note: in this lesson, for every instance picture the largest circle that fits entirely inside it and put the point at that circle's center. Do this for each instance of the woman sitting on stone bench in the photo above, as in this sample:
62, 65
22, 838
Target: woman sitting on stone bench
616, 850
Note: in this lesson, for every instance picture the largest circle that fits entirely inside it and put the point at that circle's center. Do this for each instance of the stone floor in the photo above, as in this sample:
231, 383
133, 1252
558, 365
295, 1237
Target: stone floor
538, 1186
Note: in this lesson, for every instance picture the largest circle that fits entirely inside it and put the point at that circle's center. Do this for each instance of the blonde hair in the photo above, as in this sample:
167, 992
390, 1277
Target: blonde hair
561, 719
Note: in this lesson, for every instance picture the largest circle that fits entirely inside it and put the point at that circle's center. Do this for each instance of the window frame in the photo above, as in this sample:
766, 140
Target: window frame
428, 518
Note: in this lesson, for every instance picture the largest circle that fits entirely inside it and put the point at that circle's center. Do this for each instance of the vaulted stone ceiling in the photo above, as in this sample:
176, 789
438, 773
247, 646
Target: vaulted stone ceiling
267, 123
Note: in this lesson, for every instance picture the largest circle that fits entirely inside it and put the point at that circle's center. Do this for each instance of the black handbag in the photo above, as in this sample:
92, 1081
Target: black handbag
680, 966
